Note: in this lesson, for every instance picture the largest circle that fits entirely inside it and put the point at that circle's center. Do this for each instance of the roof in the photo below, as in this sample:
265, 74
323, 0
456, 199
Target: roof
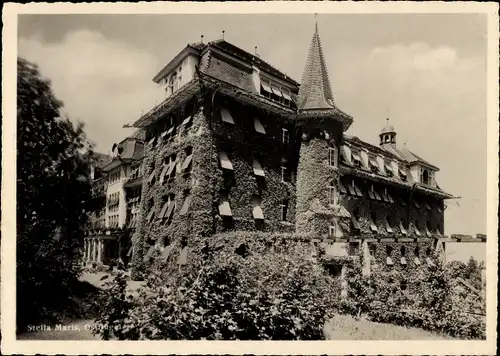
315, 91
224, 46
252, 59
408, 156
388, 129
139, 135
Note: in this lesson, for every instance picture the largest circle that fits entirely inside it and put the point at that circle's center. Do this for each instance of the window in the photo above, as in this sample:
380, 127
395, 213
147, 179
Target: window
226, 116
283, 173
284, 136
402, 175
342, 188
257, 168
187, 164
416, 260
388, 252
373, 165
331, 157
403, 255
345, 157
424, 176
354, 218
389, 197
224, 207
275, 92
373, 220
331, 230
258, 126
388, 169
402, 228
356, 160
168, 208
388, 225
171, 84
355, 189
256, 208
417, 232
175, 82
428, 229
373, 194
284, 209
187, 123
224, 161
332, 194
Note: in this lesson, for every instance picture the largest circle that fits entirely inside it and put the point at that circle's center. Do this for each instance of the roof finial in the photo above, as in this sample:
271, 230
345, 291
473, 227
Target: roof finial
316, 26
223, 31
201, 38
387, 121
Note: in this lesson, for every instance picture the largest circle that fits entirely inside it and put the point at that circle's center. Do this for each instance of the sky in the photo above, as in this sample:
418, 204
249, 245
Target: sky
425, 72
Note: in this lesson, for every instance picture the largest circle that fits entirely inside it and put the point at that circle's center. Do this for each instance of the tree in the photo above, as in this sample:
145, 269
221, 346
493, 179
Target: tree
53, 192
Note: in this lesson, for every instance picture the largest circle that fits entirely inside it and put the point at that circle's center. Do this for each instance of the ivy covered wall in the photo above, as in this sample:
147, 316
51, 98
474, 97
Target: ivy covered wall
243, 144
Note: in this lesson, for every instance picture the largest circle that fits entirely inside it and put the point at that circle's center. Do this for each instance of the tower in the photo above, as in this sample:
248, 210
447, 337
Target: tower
387, 135
322, 125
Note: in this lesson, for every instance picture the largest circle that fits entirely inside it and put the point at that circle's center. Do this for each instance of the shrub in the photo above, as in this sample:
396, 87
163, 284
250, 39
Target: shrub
233, 287
414, 298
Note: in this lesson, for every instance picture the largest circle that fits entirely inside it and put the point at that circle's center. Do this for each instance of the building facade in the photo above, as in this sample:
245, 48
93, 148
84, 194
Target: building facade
239, 145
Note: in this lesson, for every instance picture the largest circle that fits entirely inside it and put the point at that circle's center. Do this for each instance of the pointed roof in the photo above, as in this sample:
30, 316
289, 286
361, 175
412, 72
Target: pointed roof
315, 91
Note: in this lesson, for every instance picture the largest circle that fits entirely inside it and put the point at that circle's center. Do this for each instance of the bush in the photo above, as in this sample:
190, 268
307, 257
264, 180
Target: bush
413, 298
233, 287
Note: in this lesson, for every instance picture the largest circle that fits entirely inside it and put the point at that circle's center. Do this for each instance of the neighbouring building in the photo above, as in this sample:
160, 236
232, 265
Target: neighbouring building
117, 184
239, 145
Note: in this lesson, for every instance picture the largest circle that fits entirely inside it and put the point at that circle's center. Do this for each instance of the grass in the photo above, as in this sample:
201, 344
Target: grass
344, 327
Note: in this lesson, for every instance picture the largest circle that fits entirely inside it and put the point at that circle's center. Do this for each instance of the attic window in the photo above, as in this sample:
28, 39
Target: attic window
427, 206
266, 88
355, 159
224, 207
439, 208
344, 156
372, 163
428, 229
374, 194
226, 116
256, 208
388, 169
402, 175
258, 126
416, 203
224, 161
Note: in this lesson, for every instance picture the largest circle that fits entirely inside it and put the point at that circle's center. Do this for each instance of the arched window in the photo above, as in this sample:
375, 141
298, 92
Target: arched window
424, 176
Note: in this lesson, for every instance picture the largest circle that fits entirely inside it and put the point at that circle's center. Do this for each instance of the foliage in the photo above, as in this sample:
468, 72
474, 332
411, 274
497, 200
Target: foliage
233, 287
52, 196
470, 272
117, 303
422, 298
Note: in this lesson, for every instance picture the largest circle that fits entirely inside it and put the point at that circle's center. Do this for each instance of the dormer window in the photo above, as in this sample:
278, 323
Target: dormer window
356, 160
424, 176
372, 163
275, 92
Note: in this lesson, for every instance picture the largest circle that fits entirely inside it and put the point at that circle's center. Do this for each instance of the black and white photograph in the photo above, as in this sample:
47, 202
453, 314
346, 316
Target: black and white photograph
237, 176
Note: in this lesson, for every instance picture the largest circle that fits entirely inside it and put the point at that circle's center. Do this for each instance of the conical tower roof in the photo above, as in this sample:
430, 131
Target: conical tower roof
315, 91
315, 94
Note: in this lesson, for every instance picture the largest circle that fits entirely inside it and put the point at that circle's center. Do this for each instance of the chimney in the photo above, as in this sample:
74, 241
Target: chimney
201, 38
